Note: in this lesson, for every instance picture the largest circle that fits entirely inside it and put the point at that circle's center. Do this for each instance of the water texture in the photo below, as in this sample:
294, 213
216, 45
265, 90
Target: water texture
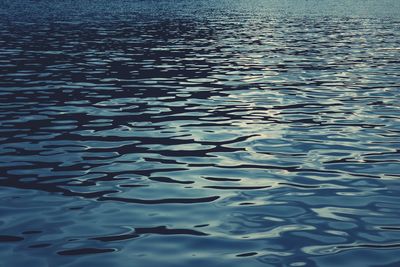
199, 133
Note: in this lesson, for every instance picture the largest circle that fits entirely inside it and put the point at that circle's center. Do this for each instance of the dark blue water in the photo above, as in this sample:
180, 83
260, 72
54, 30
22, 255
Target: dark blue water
199, 133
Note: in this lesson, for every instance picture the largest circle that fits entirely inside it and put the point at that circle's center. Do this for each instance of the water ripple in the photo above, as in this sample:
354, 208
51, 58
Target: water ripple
186, 133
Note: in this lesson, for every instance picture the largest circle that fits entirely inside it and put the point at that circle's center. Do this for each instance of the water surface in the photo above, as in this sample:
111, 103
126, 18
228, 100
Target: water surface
189, 133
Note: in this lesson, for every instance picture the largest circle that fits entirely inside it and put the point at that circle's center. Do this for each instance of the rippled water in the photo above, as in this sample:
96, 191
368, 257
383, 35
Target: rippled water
190, 133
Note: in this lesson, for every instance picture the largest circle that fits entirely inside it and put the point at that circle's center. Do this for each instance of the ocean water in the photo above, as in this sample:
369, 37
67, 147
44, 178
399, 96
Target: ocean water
199, 133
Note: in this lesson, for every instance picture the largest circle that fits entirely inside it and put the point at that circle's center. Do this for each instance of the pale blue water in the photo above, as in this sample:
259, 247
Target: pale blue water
199, 133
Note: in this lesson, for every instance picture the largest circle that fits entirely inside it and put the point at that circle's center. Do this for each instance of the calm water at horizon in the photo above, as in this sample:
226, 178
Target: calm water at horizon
199, 133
